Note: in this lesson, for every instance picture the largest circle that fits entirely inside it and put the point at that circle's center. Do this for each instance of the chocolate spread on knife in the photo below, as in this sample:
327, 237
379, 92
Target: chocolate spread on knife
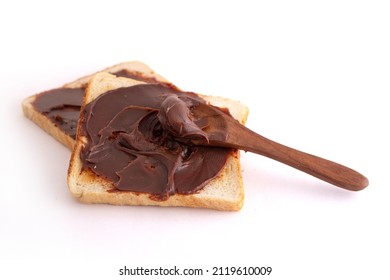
62, 105
136, 138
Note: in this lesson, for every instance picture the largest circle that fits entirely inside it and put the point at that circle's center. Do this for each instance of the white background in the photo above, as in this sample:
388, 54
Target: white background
315, 76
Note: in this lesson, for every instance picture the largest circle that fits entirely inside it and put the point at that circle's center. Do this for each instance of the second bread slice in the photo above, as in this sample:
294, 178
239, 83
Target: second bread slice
224, 192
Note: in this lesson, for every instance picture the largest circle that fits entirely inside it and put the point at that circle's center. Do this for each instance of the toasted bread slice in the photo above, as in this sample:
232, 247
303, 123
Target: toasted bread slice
136, 68
224, 192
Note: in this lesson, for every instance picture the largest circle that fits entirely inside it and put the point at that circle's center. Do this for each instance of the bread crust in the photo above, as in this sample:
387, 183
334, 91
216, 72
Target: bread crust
224, 192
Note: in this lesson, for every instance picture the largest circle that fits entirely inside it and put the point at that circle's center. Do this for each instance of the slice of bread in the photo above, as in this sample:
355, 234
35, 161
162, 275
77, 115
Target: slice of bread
136, 68
224, 192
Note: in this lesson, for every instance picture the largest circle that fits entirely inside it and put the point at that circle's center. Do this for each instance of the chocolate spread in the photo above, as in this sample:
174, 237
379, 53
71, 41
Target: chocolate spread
62, 105
137, 139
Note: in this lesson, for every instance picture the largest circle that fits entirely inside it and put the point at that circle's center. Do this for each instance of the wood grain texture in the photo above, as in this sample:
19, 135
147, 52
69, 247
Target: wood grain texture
240, 137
